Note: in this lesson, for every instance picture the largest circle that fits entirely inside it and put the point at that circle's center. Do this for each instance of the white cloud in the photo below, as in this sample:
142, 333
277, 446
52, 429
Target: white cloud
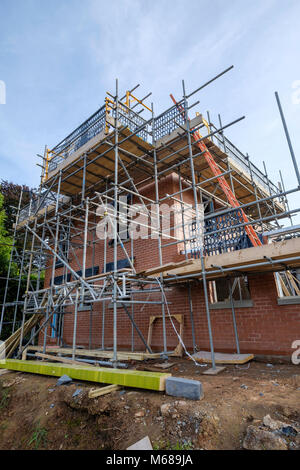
156, 44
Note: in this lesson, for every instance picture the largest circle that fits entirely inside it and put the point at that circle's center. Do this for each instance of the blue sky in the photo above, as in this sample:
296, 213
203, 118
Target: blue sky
59, 58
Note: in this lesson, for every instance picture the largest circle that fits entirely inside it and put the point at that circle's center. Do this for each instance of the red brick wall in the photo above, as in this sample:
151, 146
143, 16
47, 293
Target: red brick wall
265, 328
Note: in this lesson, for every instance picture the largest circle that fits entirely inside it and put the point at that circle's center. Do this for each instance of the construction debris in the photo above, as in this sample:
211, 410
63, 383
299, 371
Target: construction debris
214, 371
164, 365
15, 381
283, 428
64, 380
77, 392
94, 393
116, 421
143, 444
261, 439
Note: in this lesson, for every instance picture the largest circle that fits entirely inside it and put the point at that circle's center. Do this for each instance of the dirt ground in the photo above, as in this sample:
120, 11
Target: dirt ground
35, 414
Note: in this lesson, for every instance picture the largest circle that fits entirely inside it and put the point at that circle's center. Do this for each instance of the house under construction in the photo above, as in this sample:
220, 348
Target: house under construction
157, 236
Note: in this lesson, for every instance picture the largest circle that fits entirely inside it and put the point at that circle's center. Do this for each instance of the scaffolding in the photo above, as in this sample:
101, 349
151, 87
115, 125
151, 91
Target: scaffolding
95, 174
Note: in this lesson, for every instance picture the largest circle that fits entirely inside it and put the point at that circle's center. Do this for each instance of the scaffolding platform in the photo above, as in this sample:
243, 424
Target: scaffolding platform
266, 258
117, 152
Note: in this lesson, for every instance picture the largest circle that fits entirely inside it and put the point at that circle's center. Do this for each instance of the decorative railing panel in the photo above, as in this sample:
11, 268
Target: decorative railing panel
167, 122
221, 234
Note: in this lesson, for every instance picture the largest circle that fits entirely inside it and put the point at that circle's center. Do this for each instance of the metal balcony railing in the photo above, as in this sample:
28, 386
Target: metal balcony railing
230, 236
167, 122
85, 132
164, 124
247, 167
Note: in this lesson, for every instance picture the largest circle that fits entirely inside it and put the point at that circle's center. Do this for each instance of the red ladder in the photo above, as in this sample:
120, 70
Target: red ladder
222, 181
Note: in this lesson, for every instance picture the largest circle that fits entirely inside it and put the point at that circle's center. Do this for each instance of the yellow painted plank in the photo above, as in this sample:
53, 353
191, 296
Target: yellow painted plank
127, 378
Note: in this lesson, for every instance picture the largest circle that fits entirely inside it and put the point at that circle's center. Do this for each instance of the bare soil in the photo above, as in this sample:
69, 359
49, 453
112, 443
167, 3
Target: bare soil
35, 414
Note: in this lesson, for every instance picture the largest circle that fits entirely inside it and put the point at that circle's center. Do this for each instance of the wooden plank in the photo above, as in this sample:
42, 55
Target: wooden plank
180, 318
98, 392
247, 256
222, 358
150, 332
108, 273
166, 267
24, 355
179, 348
283, 287
95, 148
126, 378
243, 185
168, 144
294, 281
276, 251
11, 343
121, 355
158, 269
65, 360
214, 371
164, 365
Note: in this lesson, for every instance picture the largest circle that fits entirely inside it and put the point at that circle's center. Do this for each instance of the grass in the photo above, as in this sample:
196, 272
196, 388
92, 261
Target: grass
181, 446
3, 426
39, 437
162, 445
73, 423
4, 399
76, 439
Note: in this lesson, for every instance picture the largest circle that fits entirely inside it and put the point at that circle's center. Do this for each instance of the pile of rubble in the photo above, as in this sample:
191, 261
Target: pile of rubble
273, 435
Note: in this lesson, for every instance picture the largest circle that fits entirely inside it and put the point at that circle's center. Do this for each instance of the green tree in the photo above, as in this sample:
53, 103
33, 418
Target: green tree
11, 193
5, 250
9, 200
5, 241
